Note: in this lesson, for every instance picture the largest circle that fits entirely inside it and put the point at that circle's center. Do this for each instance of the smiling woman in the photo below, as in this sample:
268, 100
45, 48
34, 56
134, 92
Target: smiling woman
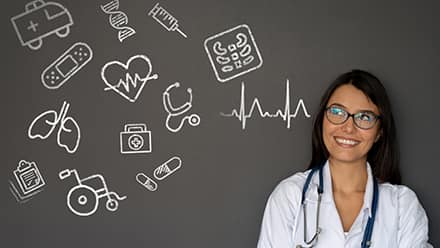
358, 188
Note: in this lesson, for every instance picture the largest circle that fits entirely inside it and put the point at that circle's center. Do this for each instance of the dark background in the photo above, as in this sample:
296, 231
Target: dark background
218, 196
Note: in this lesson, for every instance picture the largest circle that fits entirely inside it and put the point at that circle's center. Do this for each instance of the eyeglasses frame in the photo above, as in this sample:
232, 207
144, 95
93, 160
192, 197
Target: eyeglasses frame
376, 117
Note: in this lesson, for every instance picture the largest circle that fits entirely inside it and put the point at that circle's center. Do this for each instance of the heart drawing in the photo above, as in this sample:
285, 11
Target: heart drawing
129, 79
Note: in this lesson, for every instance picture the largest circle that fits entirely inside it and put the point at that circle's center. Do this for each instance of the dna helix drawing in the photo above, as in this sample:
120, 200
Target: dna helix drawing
118, 20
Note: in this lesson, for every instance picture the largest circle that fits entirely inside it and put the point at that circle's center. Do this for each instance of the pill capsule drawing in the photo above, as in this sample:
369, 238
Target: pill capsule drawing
167, 168
147, 182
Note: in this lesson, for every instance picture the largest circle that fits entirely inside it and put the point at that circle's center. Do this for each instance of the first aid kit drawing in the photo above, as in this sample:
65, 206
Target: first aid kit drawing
135, 139
39, 20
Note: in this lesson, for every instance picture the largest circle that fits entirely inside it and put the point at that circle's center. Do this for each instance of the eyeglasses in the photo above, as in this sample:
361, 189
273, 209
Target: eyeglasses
363, 120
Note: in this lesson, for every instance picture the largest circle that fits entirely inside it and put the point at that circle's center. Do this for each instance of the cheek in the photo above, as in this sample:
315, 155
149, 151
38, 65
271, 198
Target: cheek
369, 137
327, 130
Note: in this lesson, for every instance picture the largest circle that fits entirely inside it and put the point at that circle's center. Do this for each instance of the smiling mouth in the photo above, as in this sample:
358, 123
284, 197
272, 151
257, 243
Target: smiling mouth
346, 142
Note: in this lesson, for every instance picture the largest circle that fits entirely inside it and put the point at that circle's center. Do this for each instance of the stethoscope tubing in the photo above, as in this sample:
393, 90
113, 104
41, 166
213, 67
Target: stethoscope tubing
366, 240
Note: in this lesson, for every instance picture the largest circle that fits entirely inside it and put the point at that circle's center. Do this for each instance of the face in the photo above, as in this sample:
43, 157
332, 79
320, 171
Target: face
347, 143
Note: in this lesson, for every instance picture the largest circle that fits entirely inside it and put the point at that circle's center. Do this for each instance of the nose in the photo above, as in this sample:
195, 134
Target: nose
349, 125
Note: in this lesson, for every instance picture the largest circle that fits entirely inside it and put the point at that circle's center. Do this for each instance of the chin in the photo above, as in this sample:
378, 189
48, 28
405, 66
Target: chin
347, 159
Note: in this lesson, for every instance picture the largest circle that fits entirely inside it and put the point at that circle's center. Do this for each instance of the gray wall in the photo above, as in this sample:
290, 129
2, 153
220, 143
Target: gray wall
217, 197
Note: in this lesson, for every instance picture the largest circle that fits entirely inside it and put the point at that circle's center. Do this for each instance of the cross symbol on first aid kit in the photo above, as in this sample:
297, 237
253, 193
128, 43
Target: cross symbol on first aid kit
135, 139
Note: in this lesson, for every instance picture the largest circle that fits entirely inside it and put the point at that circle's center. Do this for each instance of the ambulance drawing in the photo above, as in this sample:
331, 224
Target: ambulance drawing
40, 20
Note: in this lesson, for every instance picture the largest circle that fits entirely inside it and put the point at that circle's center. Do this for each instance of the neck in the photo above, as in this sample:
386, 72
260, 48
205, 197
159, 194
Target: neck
348, 177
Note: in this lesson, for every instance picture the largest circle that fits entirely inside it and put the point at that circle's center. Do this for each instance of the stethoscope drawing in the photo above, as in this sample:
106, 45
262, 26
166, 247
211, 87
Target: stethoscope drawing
193, 119
366, 240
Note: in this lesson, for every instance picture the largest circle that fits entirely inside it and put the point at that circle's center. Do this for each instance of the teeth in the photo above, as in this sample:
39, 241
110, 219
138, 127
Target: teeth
346, 141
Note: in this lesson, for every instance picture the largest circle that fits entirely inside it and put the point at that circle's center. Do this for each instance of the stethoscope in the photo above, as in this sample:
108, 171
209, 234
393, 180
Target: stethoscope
193, 119
366, 240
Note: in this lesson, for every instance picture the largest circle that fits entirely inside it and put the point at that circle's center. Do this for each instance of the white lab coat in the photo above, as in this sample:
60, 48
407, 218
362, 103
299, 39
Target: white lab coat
401, 221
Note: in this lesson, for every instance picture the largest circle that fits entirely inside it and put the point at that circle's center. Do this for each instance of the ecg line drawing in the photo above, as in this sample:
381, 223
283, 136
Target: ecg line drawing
118, 20
285, 113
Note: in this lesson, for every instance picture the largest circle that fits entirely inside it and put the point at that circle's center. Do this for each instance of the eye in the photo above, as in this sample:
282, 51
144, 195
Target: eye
366, 116
337, 111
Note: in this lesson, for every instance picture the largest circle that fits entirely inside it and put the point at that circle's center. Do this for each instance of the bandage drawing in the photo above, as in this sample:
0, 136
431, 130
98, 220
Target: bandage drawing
67, 65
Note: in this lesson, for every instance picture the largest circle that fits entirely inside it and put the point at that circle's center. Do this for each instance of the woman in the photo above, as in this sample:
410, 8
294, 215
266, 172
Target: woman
350, 196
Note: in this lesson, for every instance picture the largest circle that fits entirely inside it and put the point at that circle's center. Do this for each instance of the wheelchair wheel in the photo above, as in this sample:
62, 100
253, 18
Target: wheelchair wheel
112, 205
82, 200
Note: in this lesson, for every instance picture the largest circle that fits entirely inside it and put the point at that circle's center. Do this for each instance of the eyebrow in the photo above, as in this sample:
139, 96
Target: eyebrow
362, 110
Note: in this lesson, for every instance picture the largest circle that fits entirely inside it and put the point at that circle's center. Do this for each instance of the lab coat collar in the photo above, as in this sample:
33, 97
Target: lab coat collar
327, 196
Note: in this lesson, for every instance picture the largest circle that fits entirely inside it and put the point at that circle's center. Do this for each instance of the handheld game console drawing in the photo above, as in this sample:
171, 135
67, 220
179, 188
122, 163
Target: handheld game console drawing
39, 20
64, 67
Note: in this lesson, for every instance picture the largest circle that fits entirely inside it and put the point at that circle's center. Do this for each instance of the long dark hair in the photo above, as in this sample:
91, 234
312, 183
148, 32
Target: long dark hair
383, 155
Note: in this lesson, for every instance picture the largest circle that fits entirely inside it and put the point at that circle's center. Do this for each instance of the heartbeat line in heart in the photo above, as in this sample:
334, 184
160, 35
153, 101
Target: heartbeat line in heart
285, 113
129, 81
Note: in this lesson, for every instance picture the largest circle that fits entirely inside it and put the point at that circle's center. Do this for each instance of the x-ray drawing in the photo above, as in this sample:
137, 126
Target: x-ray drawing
233, 53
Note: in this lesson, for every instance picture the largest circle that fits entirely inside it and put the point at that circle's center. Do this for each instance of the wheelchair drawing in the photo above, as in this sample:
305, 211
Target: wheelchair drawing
83, 198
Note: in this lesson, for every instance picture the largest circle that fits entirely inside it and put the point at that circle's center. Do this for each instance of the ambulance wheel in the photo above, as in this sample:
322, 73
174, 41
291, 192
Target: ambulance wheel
35, 45
63, 32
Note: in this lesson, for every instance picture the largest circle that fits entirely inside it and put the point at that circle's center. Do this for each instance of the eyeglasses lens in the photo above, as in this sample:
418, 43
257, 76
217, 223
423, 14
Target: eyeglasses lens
364, 120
